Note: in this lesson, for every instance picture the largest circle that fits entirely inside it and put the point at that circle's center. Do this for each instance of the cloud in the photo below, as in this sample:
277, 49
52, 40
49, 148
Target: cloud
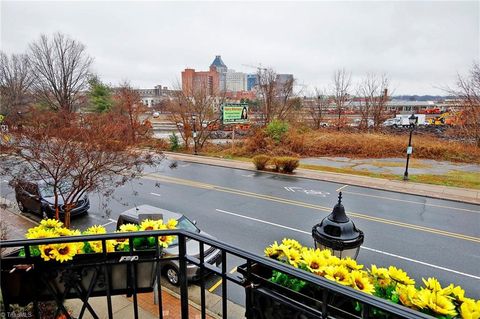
421, 45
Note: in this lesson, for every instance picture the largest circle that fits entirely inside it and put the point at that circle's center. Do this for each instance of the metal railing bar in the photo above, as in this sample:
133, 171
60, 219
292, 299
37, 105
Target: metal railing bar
202, 279
158, 281
106, 272
224, 284
133, 275
182, 252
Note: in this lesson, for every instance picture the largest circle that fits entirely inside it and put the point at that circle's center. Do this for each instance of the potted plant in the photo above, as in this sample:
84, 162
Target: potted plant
74, 269
272, 294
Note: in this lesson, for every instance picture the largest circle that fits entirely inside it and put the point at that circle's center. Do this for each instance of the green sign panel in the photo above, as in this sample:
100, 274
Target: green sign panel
235, 113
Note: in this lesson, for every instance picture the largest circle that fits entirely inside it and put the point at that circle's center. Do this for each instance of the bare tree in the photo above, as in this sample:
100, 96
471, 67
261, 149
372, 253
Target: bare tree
198, 103
468, 90
340, 93
15, 83
128, 104
278, 97
373, 91
319, 106
88, 153
60, 66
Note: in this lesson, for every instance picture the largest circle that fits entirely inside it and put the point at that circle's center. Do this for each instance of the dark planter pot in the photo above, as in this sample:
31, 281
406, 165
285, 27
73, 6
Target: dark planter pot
268, 300
86, 275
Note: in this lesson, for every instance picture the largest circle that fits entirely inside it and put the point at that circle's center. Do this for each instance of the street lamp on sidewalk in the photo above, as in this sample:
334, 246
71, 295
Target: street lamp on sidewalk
338, 233
194, 118
412, 120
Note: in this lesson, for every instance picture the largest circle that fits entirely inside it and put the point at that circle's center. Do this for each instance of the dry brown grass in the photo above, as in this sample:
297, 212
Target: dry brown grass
354, 145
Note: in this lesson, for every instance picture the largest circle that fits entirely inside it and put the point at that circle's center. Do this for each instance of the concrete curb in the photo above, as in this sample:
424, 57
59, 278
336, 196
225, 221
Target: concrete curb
426, 190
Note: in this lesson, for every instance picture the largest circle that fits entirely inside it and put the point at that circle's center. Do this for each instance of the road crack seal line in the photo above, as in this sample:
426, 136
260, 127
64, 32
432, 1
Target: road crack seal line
435, 231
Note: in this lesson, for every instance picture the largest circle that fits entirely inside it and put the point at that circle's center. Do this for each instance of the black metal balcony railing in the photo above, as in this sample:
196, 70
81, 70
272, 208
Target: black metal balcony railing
102, 265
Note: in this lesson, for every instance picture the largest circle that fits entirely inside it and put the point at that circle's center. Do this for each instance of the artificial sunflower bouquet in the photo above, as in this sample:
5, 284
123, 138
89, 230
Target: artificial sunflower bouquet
390, 283
51, 228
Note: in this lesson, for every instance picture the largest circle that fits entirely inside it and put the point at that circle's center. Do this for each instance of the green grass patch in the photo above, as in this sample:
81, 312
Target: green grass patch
453, 178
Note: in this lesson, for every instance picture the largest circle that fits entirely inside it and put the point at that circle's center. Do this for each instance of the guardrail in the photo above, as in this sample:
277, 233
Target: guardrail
82, 276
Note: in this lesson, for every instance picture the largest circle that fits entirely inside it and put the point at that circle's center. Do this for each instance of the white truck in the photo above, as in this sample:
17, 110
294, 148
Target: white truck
402, 120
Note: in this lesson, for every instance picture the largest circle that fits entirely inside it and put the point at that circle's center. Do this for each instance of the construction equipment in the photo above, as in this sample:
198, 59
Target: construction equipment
445, 118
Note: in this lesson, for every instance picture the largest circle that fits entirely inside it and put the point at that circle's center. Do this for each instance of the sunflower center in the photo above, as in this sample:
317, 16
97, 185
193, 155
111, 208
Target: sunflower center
163, 238
64, 251
314, 265
48, 251
359, 284
149, 228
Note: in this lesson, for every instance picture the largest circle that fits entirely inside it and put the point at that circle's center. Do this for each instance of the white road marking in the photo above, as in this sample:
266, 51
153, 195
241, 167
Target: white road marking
413, 202
339, 189
155, 194
363, 247
249, 175
110, 222
5, 181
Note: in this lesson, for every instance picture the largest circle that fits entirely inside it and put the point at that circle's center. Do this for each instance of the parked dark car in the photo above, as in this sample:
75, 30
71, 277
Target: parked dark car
37, 197
170, 268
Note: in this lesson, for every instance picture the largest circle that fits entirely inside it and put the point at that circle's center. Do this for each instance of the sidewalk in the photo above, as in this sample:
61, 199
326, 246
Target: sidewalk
122, 306
435, 191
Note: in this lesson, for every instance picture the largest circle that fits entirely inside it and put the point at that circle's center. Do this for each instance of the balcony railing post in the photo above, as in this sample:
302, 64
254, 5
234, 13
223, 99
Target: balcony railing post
202, 276
107, 280
158, 256
182, 254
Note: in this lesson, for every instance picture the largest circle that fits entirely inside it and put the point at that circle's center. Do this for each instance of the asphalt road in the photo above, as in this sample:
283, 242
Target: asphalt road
425, 237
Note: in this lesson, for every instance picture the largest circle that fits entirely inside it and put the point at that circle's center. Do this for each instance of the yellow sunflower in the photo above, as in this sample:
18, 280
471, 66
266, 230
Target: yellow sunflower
63, 232
50, 223
292, 243
351, 264
40, 233
172, 223
313, 261
97, 245
149, 224
422, 298
128, 228
95, 229
406, 293
470, 309
457, 293
441, 305
339, 274
380, 275
164, 241
47, 252
360, 281
294, 257
400, 276
274, 250
432, 284
64, 252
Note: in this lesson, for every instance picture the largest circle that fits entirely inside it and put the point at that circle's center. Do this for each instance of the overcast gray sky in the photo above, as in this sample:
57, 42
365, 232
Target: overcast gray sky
420, 45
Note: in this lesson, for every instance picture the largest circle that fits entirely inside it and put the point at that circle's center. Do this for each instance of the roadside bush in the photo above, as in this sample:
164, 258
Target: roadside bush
174, 142
285, 164
276, 130
261, 161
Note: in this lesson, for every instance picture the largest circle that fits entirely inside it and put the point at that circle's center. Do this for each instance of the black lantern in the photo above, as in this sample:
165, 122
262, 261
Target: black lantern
412, 120
338, 233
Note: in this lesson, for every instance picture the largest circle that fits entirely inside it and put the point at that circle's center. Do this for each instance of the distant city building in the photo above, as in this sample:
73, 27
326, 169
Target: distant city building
151, 97
235, 81
195, 81
283, 79
222, 69
252, 81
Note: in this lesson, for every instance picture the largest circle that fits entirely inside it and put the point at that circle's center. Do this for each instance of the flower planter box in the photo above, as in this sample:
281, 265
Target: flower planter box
265, 299
84, 276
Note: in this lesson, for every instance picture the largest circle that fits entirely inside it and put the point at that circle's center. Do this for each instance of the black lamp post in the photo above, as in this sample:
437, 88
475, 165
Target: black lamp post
194, 118
412, 120
338, 233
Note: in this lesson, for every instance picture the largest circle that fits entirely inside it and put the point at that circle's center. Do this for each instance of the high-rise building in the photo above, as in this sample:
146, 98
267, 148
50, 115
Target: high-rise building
235, 81
201, 81
252, 81
220, 67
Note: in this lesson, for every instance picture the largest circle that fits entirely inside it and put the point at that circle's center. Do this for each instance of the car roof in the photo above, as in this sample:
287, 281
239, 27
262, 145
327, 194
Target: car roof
142, 212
